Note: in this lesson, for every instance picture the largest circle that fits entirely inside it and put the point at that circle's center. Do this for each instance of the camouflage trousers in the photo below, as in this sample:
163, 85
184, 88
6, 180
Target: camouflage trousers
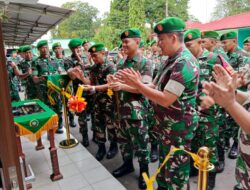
104, 119
175, 174
207, 134
133, 136
83, 123
242, 172
232, 130
151, 120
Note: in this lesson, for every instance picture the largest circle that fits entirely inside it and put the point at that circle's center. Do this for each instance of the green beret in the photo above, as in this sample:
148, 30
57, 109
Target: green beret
170, 24
228, 35
131, 33
13, 51
96, 47
142, 44
55, 45
26, 48
192, 34
210, 34
75, 42
247, 40
42, 43
20, 49
152, 42
84, 41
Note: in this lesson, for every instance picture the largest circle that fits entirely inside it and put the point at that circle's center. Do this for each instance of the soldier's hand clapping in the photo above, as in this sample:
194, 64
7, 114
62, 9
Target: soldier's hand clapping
130, 77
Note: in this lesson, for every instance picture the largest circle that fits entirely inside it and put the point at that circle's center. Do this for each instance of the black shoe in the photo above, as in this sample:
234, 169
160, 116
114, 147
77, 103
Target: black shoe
221, 155
85, 140
234, 151
72, 124
220, 167
59, 131
126, 168
237, 187
154, 153
141, 182
60, 128
101, 152
211, 180
113, 149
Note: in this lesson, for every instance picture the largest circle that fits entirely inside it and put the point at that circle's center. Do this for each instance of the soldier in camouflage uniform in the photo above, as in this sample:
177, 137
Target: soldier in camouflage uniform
17, 59
174, 93
104, 105
91, 99
85, 53
151, 115
43, 66
207, 133
209, 42
246, 44
25, 66
13, 81
226, 97
59, 58
76, 61
238, 59
133, 131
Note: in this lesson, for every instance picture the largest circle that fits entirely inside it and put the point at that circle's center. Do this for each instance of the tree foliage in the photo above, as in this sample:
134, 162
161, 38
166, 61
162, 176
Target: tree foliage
137, 14
123, 14
230, 7
82, 23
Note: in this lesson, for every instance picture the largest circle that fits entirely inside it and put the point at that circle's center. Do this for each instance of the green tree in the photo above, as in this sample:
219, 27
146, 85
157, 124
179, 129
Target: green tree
230, 7
137, 14
82, 23
178, 8
113, 24
118, 16
156, 10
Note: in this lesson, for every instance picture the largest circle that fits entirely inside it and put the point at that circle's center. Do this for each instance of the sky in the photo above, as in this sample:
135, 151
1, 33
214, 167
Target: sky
201, 9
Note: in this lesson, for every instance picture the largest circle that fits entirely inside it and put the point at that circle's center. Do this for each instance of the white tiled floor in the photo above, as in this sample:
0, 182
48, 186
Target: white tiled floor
80, 170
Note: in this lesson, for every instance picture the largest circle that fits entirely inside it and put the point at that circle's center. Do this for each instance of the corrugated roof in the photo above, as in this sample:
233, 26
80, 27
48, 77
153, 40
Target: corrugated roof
28, 22
230, 22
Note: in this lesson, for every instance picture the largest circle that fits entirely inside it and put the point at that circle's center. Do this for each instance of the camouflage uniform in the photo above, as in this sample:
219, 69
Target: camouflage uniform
17, 61
238, 60
13, 83
104, 105
207, 133
242, 171
133, 133
30, 87
176, 123
151, 115
71, 62
45, 67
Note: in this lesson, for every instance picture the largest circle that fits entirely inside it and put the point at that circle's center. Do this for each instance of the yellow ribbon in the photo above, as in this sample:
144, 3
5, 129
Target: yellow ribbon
150, 181
110, 92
